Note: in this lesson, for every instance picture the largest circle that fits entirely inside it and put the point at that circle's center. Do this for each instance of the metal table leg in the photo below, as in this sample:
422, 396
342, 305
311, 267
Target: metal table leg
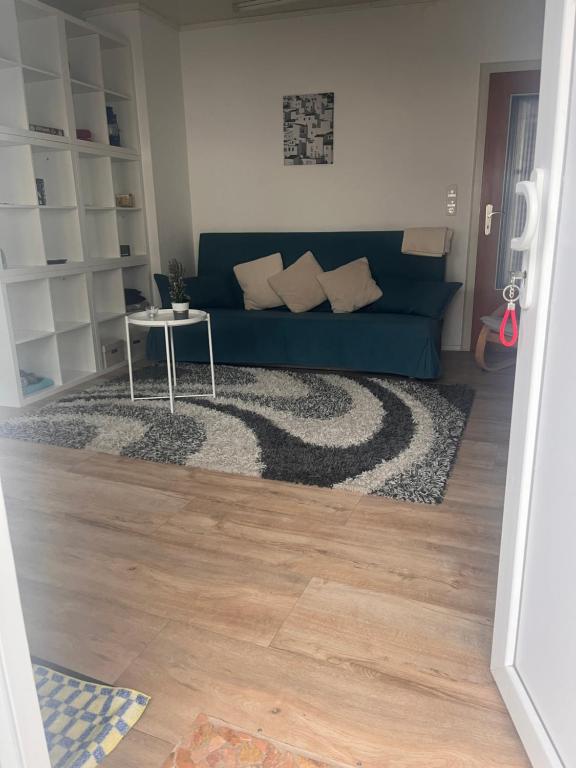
211, 356
129, 352
169, 366
173, 356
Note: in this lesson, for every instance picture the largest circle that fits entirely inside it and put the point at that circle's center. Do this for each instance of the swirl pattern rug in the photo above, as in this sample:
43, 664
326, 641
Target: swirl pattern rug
370, 434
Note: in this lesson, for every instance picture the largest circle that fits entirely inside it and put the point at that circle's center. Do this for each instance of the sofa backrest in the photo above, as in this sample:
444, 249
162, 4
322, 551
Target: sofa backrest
219, 252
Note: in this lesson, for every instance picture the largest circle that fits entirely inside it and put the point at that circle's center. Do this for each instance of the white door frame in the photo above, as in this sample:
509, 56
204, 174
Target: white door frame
557, 74
22, 742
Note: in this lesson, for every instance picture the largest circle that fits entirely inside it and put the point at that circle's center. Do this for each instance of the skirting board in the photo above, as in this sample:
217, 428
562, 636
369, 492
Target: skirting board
531, 729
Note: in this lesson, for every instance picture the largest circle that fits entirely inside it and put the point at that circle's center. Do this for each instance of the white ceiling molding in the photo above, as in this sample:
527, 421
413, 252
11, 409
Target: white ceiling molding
132, 6
192, 14
252, 18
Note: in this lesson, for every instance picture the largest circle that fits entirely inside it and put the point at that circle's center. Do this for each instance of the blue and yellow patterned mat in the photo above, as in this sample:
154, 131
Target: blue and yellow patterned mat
84, 721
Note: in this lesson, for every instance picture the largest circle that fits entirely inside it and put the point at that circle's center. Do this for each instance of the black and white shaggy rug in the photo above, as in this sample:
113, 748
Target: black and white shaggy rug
370, 434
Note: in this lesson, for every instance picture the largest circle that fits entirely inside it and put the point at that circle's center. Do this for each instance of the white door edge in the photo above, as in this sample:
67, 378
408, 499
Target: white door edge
22, 741
557, 75
526, 719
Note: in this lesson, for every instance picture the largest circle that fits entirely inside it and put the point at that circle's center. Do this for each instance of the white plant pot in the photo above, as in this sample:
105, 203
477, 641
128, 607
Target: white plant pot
180, 310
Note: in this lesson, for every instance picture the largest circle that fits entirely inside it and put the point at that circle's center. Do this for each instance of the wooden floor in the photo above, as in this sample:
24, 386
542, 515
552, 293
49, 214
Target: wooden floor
356, 629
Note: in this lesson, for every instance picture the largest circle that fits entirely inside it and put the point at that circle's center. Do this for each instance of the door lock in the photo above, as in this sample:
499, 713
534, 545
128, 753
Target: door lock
488, 218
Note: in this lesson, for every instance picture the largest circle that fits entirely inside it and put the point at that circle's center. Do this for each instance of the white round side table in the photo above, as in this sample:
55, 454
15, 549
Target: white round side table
165, 319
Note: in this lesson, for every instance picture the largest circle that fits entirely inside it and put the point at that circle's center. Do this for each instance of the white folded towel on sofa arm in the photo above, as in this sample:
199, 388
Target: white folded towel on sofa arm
427, 241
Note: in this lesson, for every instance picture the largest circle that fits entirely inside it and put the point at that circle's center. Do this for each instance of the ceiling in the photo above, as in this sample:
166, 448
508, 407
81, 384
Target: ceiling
182, 12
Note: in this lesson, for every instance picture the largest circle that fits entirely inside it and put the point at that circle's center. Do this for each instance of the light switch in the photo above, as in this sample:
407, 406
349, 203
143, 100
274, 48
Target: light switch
452, 200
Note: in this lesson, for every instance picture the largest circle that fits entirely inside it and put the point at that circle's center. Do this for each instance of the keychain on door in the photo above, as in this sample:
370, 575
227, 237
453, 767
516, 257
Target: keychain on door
511, 296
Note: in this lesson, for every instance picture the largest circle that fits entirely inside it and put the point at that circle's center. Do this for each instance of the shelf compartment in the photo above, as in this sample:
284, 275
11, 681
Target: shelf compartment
131, 231
31, 310
96, 182
9, 42
21, 238
138, 278
40, 356
109, 332
84, 59
90, 114
56, 169
12, 99
117, 69
61, 233
124, 111
71, 307
46, 104
108, 294
127, 179
17, 185
39, 43
101, 234
76, 353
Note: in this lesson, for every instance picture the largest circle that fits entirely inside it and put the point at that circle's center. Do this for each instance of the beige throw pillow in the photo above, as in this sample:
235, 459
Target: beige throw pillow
350, 287
253, 278
297, 284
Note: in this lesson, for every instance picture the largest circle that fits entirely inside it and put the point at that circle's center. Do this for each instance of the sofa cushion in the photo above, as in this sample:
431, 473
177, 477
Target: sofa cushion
402, 344
297, 285
253, 278
408, 297
350, 287
216, 291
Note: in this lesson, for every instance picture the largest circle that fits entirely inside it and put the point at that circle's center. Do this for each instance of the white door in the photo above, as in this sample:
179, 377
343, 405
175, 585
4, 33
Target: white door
534, 653
22, 743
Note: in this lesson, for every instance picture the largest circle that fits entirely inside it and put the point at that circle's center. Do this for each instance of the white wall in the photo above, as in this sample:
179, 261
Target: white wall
160, 44
406, 83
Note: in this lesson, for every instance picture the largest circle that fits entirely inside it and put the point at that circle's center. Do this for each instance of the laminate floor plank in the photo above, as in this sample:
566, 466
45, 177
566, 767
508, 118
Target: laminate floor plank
438, 651
90, 635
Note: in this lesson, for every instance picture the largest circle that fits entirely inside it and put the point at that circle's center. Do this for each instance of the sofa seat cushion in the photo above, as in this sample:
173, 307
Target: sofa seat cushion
392, 343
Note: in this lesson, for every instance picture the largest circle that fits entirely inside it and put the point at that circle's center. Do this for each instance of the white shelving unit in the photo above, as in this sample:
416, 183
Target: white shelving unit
62, 277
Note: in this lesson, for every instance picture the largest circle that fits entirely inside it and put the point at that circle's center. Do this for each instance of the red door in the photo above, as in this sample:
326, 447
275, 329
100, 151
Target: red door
508, 158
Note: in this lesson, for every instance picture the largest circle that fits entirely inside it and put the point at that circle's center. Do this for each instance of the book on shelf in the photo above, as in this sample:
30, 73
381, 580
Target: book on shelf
46, 129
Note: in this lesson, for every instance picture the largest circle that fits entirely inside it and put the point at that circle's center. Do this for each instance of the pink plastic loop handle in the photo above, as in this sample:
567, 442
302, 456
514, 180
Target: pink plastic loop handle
510, 313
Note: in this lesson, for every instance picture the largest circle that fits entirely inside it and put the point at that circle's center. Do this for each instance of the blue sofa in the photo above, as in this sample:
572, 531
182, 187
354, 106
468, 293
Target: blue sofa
398, 334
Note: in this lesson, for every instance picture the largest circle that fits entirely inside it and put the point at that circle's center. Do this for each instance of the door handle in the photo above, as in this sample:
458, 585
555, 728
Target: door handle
527, 243
488, 218
529, 191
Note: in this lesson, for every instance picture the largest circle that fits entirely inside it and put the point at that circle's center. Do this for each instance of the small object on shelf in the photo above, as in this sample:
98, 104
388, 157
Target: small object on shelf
31, 383
113, 352
56, 261
124, 250
41, 191
125, 201
84, 134
113, 129
3, 260
180, 300
46, 129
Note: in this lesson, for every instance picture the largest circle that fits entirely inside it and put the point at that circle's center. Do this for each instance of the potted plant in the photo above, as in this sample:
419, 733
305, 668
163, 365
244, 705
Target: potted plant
180, 301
